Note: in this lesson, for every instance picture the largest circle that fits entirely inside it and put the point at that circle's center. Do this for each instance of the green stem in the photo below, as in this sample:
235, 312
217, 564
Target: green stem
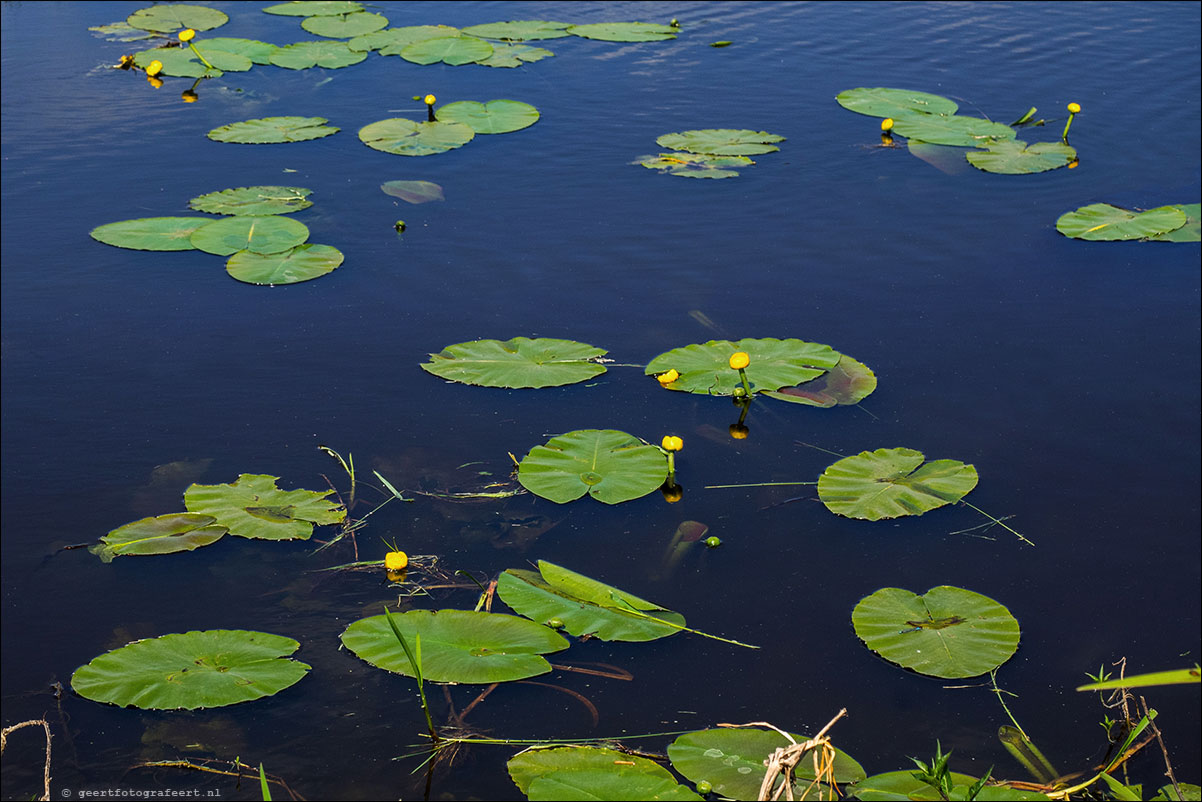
996, 521
416, 663
1064, 136
746, 384
759, 484
629, 609
671, 468
205, 61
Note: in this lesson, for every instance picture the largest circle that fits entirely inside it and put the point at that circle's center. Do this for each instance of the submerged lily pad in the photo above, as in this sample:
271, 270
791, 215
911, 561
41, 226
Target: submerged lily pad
957, 130
314, 8
163, 534
121, 32
884, 102
302, 263
254, 201
705, 368
151, 233
344, 26
1015, 157
609, 465
457, 645
1191, 231
948, 632
504, 55
889, 483
848, 382
722, 141
413, 191
696, 165
391, 41
303, 55
590, 772
254, 507
408, 138
453, 50
519, 30
624, 31
169, 18
493, 117
584, 605
1103, 222
268, 234
273, 130
520, 362
732, 760
191, 670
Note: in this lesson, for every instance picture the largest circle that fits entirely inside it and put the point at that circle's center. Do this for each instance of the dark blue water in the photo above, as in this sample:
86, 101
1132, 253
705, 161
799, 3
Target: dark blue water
1067, 372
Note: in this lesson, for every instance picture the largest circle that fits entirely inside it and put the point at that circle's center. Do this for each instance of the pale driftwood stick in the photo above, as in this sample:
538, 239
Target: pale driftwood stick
45, 726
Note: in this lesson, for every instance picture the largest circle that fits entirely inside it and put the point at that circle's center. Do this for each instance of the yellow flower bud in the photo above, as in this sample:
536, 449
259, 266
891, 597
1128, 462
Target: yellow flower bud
671, 443
396, 560
189, 96
887, 124
430, 100
186, 35
667, 378
154, 68
739, 360
1074, 108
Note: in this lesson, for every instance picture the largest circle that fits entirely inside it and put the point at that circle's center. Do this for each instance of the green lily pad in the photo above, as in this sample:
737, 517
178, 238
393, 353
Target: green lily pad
181, 62
413, 191
609, 465
269, 234
732, 760
624, 31
151, 233
696, 165
457, 645
493, 117
164, 534
520, 362
408, 138
313, 8
254, 507
1015, 157
121, 32
1191, 231
1103, 222
254, 201
453, 50
391, 41
888, 483
589, 772
722, 141
504, 55
345, 26
903, 785
1189, 791
519, 30
848, 382
584, 605
303, 55
883, 102
273, 130
948, 632
191, 670
169, 18
957, 130
302, 263
705, 368
258, 52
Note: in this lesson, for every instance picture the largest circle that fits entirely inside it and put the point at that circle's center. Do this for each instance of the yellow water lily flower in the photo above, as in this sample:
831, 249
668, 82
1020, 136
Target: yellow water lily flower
396, 560
671, 443
154, 68
430, 100
887, 124
739, 360
669, 377
186, 35
1073, 108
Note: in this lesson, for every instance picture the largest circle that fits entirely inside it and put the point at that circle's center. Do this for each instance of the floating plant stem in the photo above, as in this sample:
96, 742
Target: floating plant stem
997, 521
758, 484
626, 607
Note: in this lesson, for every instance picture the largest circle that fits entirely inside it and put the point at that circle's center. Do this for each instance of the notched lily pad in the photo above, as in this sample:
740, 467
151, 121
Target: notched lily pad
344, 26
1015, 157
848, 382
722, 141
948, 632
493, 117
520, 362
624, 31
267, 234
313, 8
696, 165
163, 534
240, 506
591, 772
609, 465
151, 233
182, 62
884, 102
391, 41
704, 368
413, 191
970, 132
408, 138
329, 55
453, 50
519, 30
273, 130
1101, 222
191, 670
893, 482
302, 263
169, 18
504, 55
1191, 231
254, 201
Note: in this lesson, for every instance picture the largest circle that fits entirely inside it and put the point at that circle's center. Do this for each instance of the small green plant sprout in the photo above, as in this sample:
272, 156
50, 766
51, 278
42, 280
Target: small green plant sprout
415, 660
713, 542
400, 226
1073, 110
670, 445
430, 100
263, 787
186, 36
1026, 118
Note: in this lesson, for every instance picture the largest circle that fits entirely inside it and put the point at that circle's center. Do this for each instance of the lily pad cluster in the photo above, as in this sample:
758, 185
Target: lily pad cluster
921, 117
710, 152
1101, 222
455, 125
263, 247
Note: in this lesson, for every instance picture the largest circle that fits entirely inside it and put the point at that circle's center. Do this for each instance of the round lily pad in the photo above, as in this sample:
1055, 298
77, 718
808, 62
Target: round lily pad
892, 482
314, 8
609, 465
273, 130
258, 52
504, 55
456, 645
591, 772
255, 201
303, 55
191, 670
302, 263
848, 382
722, 141
696, 165
624, 31
493, 117
705, 368
948, 632
519, 30
151, 233
956, 130
391, 41
453, 50
169, 18
1103, 222
408, 138
1015, 157
270, 234
413, 191
520, 362
254, 507
181, 62
164, 534
1191, 231
345, 26
884, 102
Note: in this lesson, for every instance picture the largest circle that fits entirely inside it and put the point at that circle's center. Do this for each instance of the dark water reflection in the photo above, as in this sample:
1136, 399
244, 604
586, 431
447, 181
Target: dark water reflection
1067, 372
